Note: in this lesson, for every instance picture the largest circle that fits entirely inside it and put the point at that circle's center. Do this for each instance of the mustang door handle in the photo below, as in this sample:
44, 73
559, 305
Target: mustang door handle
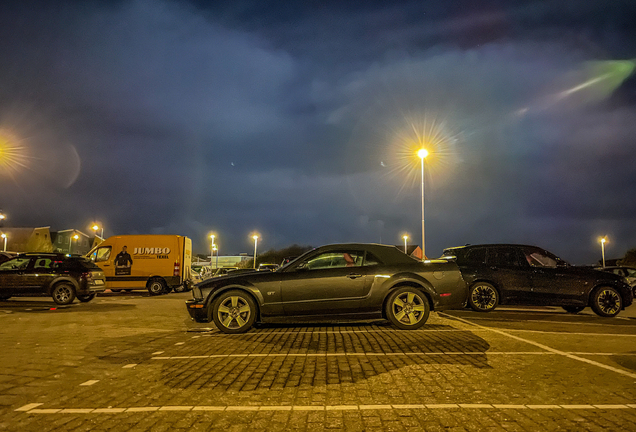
354, 275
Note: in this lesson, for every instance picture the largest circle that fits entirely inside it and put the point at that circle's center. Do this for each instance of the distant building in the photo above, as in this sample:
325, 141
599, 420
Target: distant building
411, 250
224, 261
65, 242
28, 239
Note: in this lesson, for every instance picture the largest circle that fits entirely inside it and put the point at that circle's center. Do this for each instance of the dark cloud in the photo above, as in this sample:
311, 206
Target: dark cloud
297, 121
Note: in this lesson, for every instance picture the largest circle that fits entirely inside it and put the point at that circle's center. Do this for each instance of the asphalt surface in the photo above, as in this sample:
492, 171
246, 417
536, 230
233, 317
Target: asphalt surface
130, 362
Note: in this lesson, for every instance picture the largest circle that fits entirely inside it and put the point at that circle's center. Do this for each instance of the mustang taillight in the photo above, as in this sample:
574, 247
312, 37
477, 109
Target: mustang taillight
177, 267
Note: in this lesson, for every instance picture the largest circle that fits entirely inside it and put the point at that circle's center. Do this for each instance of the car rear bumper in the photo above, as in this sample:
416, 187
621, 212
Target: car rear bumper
197, 310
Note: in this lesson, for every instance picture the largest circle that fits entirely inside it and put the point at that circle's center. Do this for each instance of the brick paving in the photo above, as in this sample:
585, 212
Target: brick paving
132, 362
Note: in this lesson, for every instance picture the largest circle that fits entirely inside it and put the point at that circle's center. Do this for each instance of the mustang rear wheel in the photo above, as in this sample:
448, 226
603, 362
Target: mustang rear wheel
606, 302
234, 312
407, 308
483, 297
63, 293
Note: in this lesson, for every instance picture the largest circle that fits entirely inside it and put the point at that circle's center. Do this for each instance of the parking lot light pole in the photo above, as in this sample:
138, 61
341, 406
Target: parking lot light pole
211, 250
4, 237
405, 248
603, 240
255, 244
216, 250
95, 228
422, 153
70, 243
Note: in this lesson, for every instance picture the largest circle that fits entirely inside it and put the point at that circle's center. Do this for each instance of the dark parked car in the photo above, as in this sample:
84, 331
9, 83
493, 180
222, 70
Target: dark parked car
60, 276
6, 256
628, 273
355, 281
528, 275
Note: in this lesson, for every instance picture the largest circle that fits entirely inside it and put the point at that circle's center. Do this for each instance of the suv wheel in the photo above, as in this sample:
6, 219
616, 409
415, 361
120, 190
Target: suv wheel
234, 312
86, 297
156, 286
483, 297
63, 293
606, 302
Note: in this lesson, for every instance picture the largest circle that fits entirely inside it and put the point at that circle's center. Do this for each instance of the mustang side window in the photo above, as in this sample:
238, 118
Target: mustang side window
335, 260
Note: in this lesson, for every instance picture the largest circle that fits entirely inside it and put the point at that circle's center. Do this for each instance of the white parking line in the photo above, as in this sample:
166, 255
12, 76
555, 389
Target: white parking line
229, 408
572, 333
89, 383
547, 348
129, 366
352, 354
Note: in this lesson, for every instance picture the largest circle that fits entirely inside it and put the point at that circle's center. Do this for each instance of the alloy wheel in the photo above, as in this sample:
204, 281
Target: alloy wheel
484, 297
234, 312
609, 301
408, 308
62, 294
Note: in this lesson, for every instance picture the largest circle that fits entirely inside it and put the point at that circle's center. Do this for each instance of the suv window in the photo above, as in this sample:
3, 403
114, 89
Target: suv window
476, 256
19, 263
504, 256
537, 258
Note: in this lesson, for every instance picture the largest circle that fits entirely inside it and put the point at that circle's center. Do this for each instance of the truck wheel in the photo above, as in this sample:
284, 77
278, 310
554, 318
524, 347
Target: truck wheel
63, 293
156, 286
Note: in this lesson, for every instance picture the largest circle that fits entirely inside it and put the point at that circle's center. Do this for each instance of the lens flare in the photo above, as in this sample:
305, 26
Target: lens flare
13, 156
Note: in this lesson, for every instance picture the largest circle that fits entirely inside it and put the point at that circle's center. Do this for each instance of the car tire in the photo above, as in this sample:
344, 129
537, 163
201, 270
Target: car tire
483, 297
156, 286
63, 293
606, 302
407, 308
86, 297
234, 312
115, 290
573, 309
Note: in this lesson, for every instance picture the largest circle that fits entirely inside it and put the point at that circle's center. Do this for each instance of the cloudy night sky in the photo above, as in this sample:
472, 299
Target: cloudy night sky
301, 121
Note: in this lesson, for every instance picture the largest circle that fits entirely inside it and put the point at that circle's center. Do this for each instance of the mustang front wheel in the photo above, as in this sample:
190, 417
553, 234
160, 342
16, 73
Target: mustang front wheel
234, 312
407, 308
483, 297
606, 302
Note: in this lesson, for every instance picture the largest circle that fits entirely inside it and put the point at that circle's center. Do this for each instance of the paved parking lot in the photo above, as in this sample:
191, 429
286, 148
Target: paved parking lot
133, 362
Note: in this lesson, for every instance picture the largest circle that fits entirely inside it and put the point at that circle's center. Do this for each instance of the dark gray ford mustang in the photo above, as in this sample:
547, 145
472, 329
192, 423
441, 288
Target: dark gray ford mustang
356, 281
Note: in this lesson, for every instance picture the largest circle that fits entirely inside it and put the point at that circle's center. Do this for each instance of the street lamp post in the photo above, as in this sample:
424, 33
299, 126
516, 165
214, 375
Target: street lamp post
95, 228
70, 243
255, 244
422, 153
216, 250
603, 240
211, 250
405, 247
4, 237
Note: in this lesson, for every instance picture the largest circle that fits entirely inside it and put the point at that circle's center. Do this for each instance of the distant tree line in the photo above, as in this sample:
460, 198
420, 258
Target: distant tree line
273, 256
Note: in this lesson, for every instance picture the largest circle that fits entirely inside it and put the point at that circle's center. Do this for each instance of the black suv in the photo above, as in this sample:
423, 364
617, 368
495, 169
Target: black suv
528, 275
61, 276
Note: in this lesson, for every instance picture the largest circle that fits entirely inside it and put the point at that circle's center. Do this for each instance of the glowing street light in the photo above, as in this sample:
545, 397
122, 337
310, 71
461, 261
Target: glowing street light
95, 228
255, 244
4, 237
603, 240
211, 250
422, 154
405, 247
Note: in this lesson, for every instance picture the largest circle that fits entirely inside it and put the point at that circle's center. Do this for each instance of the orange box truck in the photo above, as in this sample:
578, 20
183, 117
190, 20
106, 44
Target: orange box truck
158, 263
